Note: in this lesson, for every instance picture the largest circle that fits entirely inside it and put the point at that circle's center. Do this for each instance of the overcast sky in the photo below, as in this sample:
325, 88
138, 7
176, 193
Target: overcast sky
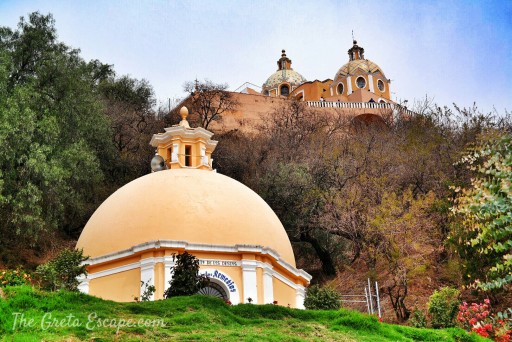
451, 51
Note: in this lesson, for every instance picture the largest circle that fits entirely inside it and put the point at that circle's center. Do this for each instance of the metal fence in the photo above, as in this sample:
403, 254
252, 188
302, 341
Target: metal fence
369, 301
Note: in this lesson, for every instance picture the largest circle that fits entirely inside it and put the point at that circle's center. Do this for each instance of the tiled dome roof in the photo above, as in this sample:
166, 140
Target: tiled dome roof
280, 76
365, 65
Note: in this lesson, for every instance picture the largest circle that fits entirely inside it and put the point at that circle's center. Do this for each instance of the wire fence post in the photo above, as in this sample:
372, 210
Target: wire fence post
366, 298
378, 298
367, 302
371, 298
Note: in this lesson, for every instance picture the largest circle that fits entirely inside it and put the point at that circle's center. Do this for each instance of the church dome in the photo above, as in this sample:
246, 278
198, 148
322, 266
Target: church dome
358, 66
284, 80
360, 74
194, 206
284, 76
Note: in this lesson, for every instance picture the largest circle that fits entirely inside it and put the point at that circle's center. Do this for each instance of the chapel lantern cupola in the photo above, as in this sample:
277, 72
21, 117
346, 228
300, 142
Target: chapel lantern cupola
284, 63
183, 147
355, 52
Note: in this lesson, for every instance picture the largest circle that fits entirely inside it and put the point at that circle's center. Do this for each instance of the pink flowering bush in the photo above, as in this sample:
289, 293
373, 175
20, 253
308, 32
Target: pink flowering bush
478, 318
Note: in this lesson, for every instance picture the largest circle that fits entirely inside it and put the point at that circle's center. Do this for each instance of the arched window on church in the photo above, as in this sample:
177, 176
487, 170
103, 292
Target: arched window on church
340, 88
380, 85
361, 82
285, 90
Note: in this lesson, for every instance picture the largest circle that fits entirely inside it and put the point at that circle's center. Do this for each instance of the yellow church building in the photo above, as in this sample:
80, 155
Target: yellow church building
187, 206
358, 90
358, 80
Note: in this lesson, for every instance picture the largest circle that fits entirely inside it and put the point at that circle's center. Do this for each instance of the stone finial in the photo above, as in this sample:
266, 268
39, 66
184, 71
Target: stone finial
184, 114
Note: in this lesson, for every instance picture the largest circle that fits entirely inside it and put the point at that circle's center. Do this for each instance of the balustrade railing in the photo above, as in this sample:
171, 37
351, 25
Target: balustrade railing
358, 105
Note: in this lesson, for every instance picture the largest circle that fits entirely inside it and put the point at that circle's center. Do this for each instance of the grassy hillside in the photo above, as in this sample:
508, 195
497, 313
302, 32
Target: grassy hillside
59, 316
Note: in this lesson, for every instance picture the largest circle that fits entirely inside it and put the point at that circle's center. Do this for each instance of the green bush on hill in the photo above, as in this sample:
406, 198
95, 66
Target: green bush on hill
14, 277
443, 306
322, 298
62, 271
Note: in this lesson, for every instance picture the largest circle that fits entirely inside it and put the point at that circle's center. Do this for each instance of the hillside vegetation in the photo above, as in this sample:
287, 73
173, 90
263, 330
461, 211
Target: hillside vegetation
73, 316
415, 203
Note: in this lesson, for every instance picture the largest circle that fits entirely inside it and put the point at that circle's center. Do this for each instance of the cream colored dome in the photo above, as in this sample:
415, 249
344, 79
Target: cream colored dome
195, 206
285, 75
363, 65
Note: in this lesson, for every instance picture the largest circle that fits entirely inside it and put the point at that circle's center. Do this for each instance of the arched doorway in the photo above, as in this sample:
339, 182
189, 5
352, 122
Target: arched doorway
368, 121
215, 290
221, 286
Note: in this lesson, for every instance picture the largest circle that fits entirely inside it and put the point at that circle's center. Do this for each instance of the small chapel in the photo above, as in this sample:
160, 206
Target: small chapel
185, 205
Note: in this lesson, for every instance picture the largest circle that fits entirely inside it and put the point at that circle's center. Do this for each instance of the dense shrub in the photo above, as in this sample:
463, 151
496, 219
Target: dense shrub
322, 298
478, 318
418, 319
14, 277
62, 271
186, 280
443, 306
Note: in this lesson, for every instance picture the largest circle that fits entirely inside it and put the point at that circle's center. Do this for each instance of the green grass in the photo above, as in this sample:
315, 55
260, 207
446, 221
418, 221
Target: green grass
64, 316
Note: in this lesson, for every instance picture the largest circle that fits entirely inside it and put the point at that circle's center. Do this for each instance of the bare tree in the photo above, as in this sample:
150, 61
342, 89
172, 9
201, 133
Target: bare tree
209, 101
128, 103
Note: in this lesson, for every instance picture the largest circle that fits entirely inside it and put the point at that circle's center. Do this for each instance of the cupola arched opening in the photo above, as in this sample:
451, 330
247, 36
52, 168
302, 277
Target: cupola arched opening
284, 90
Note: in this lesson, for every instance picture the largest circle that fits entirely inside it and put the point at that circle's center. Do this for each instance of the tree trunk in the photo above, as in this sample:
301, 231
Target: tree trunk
323, 254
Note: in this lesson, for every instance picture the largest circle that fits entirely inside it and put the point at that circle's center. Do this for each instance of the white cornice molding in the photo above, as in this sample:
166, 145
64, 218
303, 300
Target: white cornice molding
176, 244
114, 270
180, 132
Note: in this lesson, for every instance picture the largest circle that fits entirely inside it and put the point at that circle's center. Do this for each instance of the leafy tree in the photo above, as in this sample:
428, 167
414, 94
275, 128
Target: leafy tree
53, 134
62, 271
375, 198
483, 211
443, 307
402, 228
186, 280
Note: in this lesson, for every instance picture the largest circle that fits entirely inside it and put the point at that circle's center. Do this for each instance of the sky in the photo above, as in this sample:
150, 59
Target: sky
448, 51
